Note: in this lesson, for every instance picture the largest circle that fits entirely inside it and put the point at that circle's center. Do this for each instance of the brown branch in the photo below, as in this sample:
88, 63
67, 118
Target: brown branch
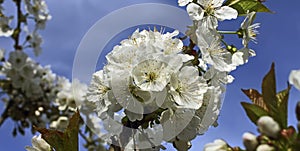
17, 30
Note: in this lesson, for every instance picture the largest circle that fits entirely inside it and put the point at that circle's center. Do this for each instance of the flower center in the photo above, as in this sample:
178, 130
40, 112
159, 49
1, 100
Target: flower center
210, 10
150, 76
102, 89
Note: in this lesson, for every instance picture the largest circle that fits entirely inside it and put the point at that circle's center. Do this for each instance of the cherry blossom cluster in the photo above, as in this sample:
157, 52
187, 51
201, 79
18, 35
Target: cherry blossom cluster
34, 95
151, 81
36, 91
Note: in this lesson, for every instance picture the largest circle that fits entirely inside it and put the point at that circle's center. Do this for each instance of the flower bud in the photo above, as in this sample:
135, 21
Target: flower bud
288, 133
217, 145
250, 141
265, 147
267, 126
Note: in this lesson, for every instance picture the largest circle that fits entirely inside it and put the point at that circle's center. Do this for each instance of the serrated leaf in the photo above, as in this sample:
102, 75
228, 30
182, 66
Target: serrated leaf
254, 112
256, 98
243, 6
63, 141
282, 98
269, 91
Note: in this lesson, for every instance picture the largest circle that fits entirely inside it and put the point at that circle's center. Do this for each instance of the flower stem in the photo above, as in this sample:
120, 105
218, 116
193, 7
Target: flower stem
227, 32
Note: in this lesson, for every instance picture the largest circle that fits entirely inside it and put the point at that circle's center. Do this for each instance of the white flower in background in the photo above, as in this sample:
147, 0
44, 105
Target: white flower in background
210, 11
184, 2
35, 41
17, 59
248, 29
217, 145
38, 144
250, 141
294, 78
265, 147
268, 126
66, 98
5, 30
187, 89
2, 53
39, 10
60, 124
48, 76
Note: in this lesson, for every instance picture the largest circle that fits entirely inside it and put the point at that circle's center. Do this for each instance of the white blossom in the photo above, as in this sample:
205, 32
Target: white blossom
294, 78
242, 56
187, 89
66, 98
250, 141
184, 2
212, 51
268, 126
217, 145
39, 10
17, 59
248, 29
152, 75
2, 53
60, 124
174, 121
265, 147
210, 109
210, 12
35, 41
38, 144
5, 29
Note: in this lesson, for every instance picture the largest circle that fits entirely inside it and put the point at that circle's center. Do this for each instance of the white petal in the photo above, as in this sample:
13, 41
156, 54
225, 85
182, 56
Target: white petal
184, 2
217, 3
226, 13
195, 12
186, 57
294, 78
237, 58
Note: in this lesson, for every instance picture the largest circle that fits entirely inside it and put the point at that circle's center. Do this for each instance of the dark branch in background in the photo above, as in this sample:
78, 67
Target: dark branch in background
5, 115
17, 30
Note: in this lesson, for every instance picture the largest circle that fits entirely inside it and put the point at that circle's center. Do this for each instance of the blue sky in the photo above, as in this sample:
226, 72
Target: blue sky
278, 42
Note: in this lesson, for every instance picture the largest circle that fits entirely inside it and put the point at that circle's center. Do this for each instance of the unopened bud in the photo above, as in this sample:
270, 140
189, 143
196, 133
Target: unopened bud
217, 145
267, 126
265, 147
288, 133
250, 141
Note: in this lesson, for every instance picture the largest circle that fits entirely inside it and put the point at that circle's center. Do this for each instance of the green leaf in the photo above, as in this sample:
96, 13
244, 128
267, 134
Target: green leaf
254, 112
231, 2
63, 141
269, 91
282, 98
243, 6
256, 98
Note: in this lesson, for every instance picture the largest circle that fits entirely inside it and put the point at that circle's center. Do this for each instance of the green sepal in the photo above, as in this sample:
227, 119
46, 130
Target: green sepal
254, 112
